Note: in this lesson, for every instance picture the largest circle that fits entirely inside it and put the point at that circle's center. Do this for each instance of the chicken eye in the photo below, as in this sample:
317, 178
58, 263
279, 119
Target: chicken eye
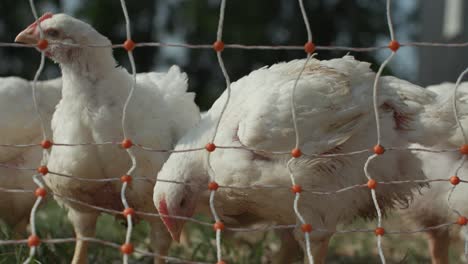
182, 203
53, 33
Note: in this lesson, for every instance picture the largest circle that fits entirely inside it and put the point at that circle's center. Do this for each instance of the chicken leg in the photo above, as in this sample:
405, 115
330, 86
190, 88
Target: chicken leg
85, 226
160, 240
439, 245
290, 250
318, 245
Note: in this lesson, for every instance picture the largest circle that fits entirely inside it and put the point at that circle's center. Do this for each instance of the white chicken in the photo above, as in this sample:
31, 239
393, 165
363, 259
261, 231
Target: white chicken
21, 125
431, 208
93, 95
334, 115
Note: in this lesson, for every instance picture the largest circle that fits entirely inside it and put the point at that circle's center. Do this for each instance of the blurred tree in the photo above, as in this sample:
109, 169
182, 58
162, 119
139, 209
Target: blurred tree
443, 21
274, 22
107, 17
14, 17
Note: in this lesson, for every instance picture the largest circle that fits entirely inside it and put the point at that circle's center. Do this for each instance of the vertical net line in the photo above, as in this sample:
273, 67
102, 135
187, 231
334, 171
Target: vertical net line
462, 130
127, 19
39, 71
212, 174
375, 91
449, 197
293, 102
36, 180
465, 236
379, 136
297, 136
32, 218
299, 215
227, 101
219, 32
389, 20
306, 21
288, 165
463, 159
223, 70
124, 129
455, 104
377, 208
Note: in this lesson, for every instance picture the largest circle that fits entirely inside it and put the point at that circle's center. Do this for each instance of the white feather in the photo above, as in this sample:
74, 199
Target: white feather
20, 125
93, 96
334, 115
432, 207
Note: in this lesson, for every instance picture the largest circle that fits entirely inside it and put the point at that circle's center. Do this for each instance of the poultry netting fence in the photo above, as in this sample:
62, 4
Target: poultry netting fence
34, 241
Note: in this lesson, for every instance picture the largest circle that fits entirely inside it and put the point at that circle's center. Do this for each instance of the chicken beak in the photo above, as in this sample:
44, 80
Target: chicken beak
174, 226
28, 36
176, 230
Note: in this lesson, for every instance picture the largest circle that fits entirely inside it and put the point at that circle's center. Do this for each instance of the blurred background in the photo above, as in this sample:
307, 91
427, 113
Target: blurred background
357, 23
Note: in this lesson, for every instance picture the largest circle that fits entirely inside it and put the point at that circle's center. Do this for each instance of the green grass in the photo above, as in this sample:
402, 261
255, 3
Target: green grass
240, 248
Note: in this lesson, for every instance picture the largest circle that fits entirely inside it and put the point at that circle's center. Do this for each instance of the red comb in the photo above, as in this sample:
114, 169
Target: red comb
164, 211
42, 18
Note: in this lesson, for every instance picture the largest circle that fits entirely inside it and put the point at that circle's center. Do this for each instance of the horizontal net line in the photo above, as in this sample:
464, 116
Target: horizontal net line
98, 180
212, 176
314, 155
270, 228
399, 232
43, 125
98, 208
179, 260
254, 187
157, 215
10, 166
99, 241
246, 47
15, 190
169, 150
59, 144
19, 145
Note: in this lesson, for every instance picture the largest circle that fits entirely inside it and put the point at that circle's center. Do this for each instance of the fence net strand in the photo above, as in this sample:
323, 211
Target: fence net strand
219, 46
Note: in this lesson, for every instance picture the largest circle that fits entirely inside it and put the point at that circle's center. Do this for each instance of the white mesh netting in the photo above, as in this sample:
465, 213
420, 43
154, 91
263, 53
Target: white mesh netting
34, 241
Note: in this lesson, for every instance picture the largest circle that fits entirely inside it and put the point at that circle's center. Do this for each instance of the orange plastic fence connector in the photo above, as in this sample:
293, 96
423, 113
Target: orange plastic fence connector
309, 47
454, 180
33, 241
43, 170
371, 184
128, 211
379, 231
464, 149
126, 143
218, 226
129, 45
126, 178
126, 248
46, 144
213, 186
40, 192
394, 45
218, 46
296, 188
379, 149
296, 153
210, 147
462, 220
42, 44
306, 228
